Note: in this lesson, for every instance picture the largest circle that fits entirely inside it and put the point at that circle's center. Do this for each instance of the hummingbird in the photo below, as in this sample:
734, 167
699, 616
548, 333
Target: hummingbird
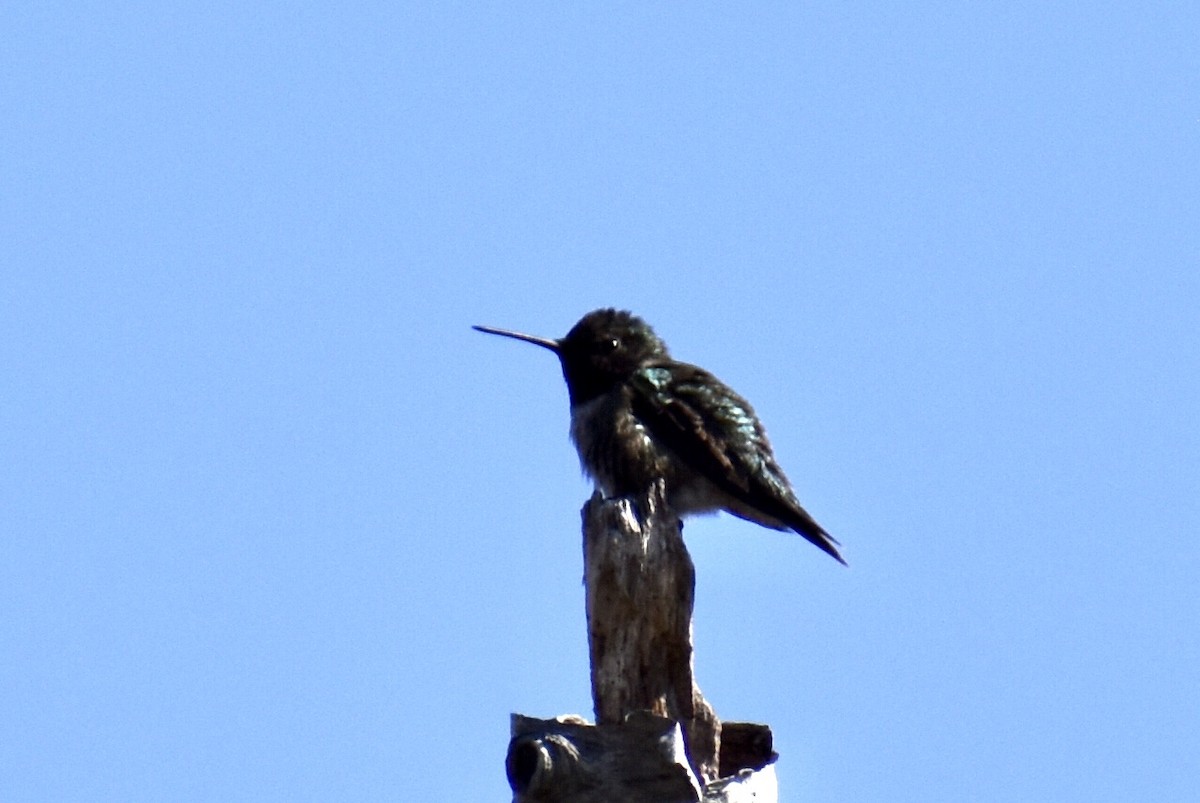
638, 416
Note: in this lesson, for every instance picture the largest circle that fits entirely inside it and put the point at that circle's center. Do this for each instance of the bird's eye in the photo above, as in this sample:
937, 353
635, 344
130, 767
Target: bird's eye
612, 344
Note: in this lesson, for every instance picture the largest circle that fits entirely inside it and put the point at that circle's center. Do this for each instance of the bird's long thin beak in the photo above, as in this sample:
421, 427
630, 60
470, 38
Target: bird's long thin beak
544, 342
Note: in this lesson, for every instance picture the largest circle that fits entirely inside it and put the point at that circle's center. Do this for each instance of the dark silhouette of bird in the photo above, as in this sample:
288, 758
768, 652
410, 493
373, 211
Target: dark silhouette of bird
638, 416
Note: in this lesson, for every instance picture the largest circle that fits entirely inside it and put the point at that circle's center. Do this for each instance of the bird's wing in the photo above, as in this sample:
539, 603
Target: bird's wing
716, 431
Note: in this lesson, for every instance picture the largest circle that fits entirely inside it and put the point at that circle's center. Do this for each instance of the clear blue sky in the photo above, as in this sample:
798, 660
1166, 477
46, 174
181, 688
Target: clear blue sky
277, 525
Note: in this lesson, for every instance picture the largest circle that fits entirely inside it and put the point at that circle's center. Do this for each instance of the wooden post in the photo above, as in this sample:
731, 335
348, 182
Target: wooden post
655, 738
640, 591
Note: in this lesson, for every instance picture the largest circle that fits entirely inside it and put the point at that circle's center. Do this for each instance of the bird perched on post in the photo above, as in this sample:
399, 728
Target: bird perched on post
638, 416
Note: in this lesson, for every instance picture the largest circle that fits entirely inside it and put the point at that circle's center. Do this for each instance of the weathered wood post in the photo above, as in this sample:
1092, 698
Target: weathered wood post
656, 739
640, 593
